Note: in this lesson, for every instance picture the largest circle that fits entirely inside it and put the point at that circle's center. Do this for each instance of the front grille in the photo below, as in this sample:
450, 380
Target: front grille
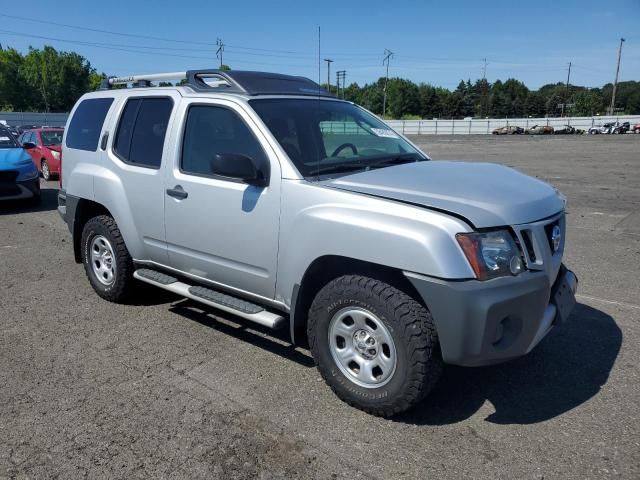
8, 175
547, 230
528, 244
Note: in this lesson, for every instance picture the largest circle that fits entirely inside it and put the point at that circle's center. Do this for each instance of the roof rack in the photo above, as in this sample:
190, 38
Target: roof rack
234, 81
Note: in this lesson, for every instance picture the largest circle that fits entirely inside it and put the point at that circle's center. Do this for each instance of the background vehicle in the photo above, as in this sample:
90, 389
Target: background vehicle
264, 196
568, 130
620, 128
508, 130
636, 128
18, 175
44, 146
540, 130
606, 128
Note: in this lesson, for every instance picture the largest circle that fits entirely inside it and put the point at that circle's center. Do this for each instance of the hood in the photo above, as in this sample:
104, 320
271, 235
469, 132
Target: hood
11, 157
485, 194
55, 148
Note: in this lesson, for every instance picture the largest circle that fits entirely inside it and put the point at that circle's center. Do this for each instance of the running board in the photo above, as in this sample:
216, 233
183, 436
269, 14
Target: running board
213, 298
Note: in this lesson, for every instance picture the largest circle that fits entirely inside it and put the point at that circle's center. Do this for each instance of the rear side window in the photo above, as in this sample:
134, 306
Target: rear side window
211, 130
86, 124
140, 136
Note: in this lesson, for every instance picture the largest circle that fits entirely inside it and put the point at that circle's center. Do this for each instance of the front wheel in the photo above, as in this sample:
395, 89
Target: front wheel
46, 173
106, 259
374, 345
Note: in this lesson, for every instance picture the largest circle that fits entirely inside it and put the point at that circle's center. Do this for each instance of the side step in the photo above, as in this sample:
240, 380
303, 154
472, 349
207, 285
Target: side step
213, 298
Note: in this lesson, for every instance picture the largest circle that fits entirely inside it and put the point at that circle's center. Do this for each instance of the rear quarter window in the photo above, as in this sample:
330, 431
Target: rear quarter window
86, 124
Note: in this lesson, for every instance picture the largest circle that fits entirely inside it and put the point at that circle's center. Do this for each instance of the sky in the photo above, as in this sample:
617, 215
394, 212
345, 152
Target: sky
436, 42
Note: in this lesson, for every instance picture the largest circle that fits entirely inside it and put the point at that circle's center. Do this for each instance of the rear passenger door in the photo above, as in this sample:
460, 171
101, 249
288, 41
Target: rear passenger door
222, 230
137, 150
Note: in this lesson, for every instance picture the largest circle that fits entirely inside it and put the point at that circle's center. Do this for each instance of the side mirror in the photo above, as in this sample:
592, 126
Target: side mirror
240, 167
28, 145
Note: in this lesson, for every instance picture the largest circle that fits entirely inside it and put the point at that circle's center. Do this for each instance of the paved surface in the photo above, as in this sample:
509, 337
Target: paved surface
162, 389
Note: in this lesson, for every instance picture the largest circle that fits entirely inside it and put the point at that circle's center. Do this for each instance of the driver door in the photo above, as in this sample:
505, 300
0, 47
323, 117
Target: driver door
217, 228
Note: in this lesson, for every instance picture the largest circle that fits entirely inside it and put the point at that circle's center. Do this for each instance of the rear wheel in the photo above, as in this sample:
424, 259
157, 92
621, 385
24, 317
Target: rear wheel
374, 345
46, 173
106, 259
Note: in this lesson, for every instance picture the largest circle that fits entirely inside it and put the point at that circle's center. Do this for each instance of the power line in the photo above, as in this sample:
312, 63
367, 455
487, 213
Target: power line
133, 49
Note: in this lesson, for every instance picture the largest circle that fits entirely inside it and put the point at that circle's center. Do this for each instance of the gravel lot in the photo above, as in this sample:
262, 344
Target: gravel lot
164, 389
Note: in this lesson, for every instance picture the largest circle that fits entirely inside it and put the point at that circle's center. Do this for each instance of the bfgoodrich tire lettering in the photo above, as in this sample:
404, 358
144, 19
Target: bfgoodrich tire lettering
418, 362
119, 288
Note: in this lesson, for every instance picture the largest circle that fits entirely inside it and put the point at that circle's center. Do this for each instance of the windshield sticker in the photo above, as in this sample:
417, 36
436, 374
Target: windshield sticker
384, 132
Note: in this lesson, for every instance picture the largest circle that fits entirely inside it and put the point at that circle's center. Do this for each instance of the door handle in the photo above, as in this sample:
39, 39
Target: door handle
177, 192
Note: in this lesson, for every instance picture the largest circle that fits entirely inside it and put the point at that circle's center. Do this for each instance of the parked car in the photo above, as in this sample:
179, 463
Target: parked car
540, 130
636, 128
228, 191
45, 147
23, 128
18, 175
620, 128
568, 130
606, 128
508, 130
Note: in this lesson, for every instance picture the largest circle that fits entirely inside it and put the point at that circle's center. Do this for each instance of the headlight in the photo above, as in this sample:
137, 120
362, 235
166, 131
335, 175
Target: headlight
55, 154
491, 254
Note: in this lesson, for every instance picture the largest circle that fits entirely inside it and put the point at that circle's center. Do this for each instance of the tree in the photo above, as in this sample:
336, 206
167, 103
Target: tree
59, 78
587, 103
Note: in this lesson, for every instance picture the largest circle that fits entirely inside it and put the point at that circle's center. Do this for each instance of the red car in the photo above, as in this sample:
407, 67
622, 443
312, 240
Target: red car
636, 128
45, 147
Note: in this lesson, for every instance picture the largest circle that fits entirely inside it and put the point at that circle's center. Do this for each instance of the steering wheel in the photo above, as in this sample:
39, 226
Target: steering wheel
342, 147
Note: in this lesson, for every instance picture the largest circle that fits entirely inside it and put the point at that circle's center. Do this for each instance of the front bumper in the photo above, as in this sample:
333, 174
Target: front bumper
482, 323
20, 190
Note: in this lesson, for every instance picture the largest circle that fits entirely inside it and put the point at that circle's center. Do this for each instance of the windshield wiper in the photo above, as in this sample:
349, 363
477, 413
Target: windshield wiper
397, 160
339, 168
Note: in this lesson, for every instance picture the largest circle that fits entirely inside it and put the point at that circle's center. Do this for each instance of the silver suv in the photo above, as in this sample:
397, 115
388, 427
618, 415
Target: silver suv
263, 196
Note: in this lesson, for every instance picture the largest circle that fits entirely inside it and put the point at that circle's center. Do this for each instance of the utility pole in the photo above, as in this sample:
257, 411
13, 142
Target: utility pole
220, 50
615, 84
566, 96
484, 69
329, 62
387, 56
340, 78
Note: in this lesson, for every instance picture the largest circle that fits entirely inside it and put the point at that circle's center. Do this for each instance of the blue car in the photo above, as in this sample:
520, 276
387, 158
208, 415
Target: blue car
18, 174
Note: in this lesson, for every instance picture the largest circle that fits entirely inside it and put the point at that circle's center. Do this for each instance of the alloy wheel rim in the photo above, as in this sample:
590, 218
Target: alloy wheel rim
103, 260
362, 347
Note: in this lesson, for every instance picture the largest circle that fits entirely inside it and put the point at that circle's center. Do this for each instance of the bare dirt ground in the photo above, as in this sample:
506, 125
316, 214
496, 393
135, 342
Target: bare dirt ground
164, 389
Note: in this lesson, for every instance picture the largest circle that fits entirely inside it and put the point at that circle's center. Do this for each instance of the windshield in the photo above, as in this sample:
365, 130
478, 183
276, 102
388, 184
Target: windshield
325, 136
6, 139
51, 137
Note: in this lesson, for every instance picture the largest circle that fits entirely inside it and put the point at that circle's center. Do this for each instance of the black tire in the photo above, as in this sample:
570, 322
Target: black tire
46, 173
121, 288
418, 364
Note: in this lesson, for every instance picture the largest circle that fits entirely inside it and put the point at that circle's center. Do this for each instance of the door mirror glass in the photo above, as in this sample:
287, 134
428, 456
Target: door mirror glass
28, 145
238, 166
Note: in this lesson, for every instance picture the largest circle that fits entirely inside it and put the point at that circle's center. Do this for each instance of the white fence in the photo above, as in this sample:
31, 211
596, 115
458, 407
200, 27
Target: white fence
34, 118
478, 126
